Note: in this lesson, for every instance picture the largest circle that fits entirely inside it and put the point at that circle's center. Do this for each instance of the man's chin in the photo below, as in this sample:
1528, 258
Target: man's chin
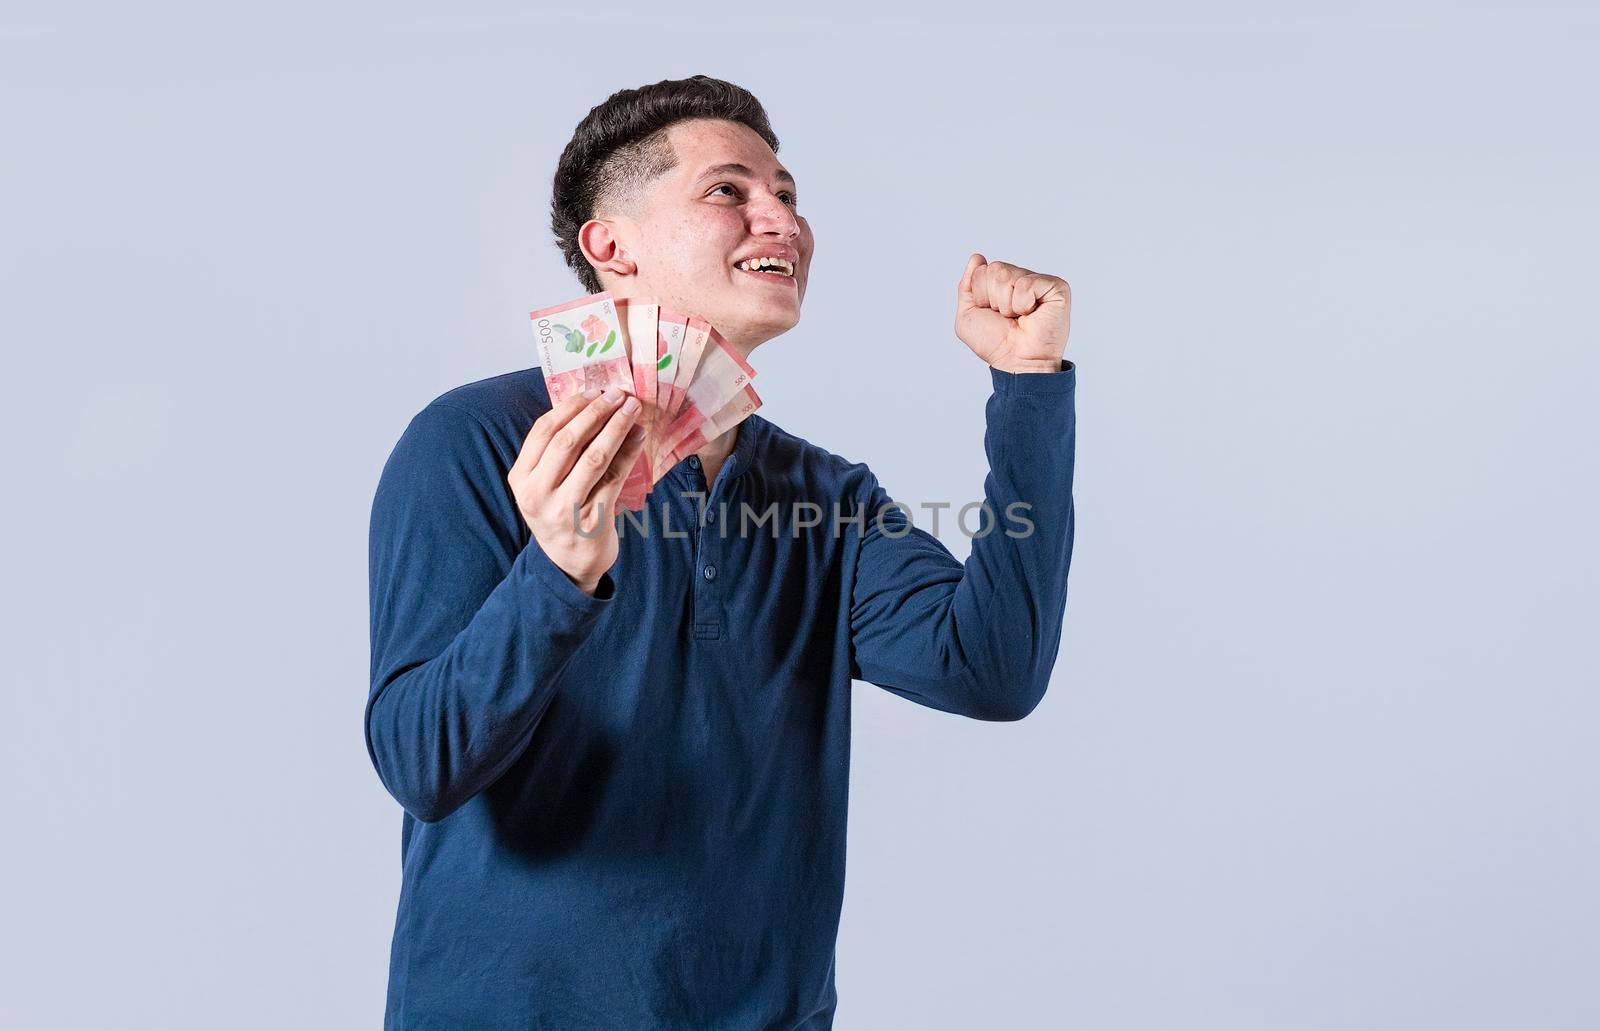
753, 324
767, 324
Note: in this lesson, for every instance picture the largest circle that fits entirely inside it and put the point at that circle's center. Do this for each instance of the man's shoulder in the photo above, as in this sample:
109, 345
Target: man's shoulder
809, 467
498, 409
509, 400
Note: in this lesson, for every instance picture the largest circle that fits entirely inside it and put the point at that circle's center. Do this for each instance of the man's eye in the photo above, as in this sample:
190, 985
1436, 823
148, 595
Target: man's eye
792, 201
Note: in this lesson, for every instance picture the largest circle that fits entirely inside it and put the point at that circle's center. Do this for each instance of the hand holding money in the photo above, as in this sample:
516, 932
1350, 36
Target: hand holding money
1012, 318
567, 477
691, 384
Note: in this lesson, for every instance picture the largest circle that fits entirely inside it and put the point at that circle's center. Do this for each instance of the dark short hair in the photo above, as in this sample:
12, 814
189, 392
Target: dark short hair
621, 146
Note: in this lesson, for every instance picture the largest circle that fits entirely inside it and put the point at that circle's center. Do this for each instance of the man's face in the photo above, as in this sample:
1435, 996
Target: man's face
700, 219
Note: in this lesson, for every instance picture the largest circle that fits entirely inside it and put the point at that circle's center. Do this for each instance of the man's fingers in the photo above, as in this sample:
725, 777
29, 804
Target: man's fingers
1008, 303
595, 461
545, 427
1003, 287
1030, 290
609, 487
567, 445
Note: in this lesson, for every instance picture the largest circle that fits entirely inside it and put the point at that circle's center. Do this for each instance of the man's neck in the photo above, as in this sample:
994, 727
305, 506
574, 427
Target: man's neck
715, 453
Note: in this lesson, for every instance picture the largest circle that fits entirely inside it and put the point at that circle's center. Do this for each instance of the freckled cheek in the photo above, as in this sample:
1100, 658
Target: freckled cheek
690, 248
709, 239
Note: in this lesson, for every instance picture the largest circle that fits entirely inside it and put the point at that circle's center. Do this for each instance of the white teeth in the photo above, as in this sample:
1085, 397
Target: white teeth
758, 264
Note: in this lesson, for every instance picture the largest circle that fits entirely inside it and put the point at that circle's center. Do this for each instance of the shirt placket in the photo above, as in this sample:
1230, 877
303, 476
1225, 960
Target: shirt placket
709, 549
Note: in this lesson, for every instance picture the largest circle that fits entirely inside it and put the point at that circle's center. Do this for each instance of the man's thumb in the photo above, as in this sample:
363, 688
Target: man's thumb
964, 290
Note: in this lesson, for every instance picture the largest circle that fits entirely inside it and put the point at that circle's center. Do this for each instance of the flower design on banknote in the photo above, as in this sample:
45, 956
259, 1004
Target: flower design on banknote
573, 338
610, 339
665, 361
594, 327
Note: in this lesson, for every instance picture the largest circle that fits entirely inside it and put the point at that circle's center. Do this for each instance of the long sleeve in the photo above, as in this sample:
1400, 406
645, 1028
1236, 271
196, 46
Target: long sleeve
471, 623
979, 640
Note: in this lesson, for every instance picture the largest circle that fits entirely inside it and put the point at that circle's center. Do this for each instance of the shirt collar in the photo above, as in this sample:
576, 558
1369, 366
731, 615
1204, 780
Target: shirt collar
746, 449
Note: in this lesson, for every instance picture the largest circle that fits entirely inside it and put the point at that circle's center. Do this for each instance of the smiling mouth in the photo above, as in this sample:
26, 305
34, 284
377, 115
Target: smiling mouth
767, 262
773, 277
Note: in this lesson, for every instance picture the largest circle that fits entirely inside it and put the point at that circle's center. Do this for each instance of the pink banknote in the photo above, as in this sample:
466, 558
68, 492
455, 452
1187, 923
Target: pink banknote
715, 425
720, 375
696, 334
692, 384
580, 346
670, 333
639, 323
639, 318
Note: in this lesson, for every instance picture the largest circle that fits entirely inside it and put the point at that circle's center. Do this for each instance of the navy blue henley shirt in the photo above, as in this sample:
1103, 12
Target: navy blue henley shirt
628, 810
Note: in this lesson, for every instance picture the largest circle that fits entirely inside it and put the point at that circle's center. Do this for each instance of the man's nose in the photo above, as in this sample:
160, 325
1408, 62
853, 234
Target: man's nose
772, 215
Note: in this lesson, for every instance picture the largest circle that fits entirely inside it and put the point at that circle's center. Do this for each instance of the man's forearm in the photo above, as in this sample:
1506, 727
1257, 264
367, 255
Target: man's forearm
443, 730
472, 624
979, 638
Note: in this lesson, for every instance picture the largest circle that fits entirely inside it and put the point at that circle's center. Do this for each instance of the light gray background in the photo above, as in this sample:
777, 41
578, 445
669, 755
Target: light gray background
1320, 747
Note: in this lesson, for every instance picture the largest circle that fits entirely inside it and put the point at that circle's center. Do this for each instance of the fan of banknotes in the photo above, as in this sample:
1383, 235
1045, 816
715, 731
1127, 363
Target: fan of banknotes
693, 385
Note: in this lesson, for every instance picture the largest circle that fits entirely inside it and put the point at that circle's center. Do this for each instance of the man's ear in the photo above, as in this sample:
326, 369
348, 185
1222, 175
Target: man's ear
602, 246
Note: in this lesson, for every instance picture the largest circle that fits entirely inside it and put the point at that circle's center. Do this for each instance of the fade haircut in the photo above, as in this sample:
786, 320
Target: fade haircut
621, 148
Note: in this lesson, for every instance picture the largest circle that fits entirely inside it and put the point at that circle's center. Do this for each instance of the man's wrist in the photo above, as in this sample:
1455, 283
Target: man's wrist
1029, 365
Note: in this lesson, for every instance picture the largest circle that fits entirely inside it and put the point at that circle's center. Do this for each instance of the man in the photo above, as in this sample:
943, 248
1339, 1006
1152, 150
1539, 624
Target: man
623, 755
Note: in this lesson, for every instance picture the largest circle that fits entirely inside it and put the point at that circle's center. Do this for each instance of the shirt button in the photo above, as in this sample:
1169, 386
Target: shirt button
694, 461
709, 572
710, 515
